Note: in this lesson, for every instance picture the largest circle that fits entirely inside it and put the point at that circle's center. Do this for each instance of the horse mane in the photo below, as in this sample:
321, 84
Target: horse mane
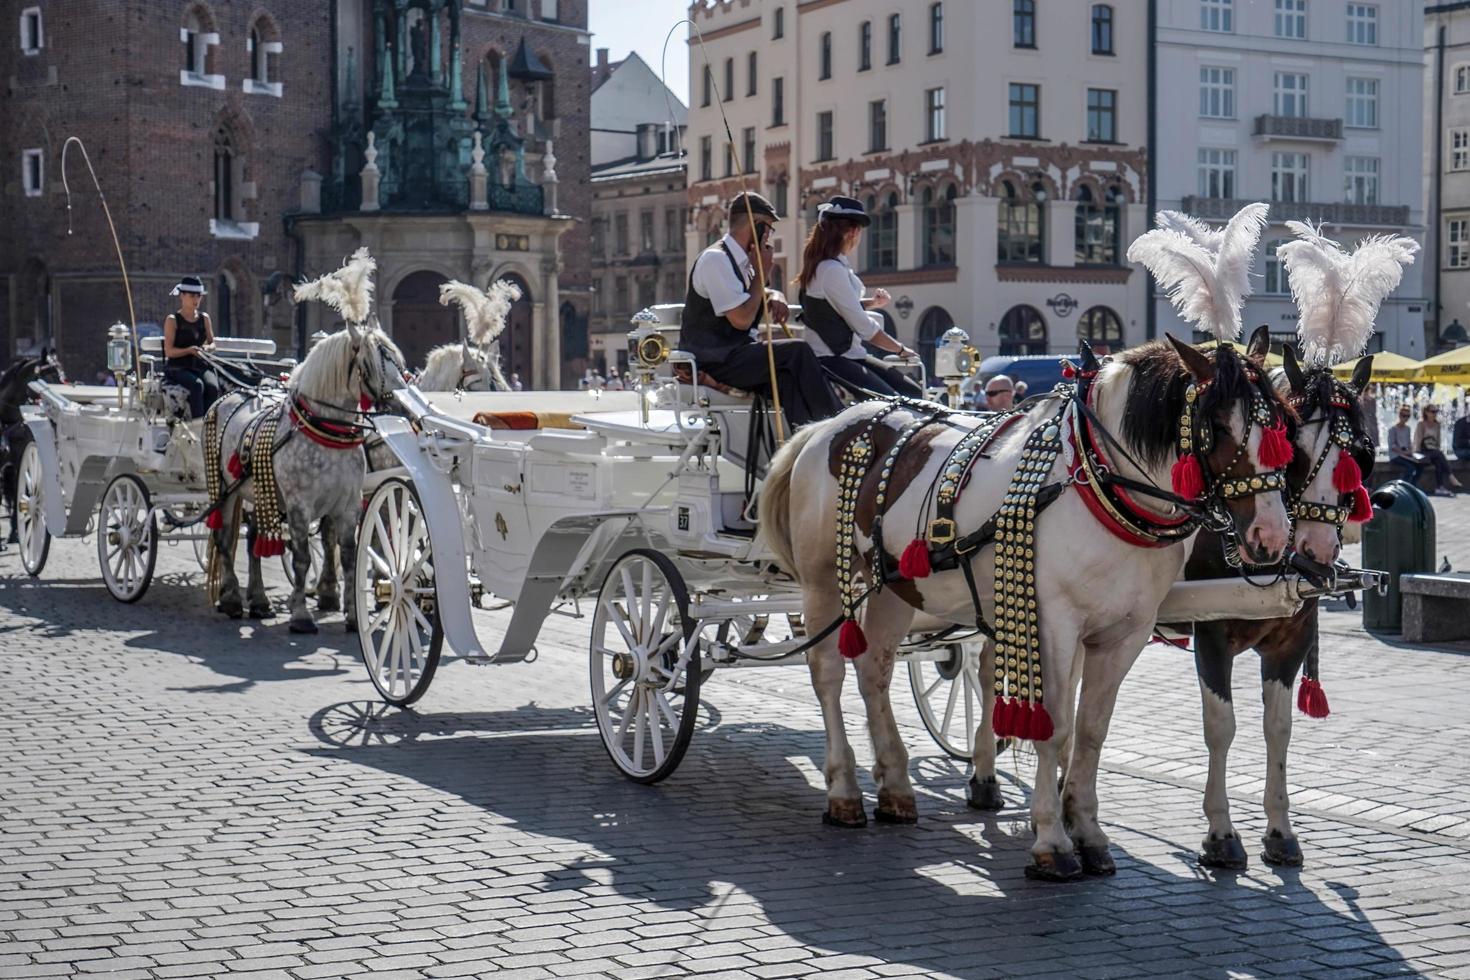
1155, 398
325, 374
441, 368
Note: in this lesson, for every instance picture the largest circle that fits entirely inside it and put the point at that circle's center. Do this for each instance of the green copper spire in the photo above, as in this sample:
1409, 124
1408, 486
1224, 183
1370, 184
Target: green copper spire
385, 97
502, 93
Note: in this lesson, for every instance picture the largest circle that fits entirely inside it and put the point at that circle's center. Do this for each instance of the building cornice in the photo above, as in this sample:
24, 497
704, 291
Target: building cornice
1081, 274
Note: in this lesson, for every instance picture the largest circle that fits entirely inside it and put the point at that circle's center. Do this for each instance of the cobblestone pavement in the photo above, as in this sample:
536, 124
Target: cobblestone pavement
185, 796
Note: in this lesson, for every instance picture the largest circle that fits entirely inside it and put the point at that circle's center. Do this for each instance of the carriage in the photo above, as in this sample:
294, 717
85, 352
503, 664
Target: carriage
639, 504
124, 462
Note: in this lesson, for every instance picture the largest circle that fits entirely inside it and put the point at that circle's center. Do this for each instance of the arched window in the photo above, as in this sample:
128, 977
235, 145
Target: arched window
932, 325
546, 90
226, 178
200, 37
1102, 29
883, 233
1097, 227
1018, 224
1022, 331
264, 48
939, 225
1101, 328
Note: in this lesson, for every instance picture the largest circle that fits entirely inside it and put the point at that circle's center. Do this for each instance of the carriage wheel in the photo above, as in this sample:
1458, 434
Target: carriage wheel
397, 607
947, 693
318, 559
644, 662
35, 540
127, 538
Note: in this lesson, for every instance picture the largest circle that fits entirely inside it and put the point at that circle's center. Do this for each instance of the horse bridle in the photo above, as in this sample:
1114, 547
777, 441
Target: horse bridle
1336, 413
1197, 438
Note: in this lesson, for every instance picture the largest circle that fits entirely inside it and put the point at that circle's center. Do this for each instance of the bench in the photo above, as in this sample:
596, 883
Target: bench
1436, 607
1383, 471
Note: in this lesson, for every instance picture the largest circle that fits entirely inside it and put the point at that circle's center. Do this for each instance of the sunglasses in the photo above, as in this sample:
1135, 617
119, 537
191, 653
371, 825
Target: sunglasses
998, 391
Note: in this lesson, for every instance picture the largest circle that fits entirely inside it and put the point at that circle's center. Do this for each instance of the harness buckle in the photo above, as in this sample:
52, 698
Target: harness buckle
941, 530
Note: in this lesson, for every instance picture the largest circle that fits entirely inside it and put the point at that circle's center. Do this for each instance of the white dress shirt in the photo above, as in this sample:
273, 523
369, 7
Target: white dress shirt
716, 281
835, 282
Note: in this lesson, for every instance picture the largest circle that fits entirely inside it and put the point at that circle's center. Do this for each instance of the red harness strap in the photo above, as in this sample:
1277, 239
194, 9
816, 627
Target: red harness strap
325, 433
1091, 495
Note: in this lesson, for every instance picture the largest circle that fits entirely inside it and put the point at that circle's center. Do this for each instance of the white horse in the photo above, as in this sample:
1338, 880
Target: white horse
474, 363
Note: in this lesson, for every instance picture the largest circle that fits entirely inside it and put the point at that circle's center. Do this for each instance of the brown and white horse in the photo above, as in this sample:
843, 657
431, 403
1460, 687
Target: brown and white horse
1097, 595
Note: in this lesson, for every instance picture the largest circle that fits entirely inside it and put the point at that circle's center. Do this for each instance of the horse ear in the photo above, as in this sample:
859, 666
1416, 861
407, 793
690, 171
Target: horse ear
1196, 361
354, 332
1293, 369
1363, 373
1089, 360
1260, 345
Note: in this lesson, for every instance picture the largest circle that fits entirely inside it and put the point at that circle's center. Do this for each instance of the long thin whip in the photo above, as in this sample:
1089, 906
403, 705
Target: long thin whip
112, 228
760, 272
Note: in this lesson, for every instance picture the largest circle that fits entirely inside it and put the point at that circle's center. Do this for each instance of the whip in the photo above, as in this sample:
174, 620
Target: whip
127, 286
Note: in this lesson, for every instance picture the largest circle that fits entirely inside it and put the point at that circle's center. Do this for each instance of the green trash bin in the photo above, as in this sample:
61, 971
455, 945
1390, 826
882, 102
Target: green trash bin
1398, 540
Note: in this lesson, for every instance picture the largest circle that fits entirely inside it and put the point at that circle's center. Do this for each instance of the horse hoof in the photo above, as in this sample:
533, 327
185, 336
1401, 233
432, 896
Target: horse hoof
1227, 853
984, 794
1055, 866
1097, 860
302, 626
261, 611
845, 813
328, 604
234, 610
1281, 851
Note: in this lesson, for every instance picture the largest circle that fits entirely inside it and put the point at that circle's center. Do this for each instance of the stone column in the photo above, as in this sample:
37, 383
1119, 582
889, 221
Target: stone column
370, 174
479, 177
436, 53
910, 233
549, 313
1061, 233
976, 252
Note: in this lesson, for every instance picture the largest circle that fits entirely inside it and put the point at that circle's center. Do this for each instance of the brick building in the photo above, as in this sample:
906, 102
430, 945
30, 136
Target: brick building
230, 139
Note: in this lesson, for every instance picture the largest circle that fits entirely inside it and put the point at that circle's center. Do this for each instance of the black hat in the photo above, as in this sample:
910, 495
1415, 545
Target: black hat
844, 207
758, 205
189, 284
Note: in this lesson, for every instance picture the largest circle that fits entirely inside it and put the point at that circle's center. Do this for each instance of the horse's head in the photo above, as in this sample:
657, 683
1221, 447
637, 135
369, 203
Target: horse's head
48, 368
1234, 431
378, 368
1333, 454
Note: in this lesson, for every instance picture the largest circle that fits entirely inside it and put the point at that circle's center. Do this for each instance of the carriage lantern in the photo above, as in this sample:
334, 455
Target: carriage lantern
954, 361
648, 348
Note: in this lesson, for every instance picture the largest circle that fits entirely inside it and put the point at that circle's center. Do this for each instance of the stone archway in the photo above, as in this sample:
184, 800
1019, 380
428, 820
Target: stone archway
420, 323
517, 342
1022, 331
932, 325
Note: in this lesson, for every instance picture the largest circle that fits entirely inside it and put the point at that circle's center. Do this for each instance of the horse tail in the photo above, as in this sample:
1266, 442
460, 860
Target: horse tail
775, 499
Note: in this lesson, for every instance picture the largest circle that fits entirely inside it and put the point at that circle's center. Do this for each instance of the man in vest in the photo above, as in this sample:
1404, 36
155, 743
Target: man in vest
723, 304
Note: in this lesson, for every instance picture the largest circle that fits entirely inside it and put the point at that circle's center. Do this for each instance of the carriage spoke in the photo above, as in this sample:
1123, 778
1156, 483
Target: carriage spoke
969, 703
655, 728
933, 687
954, 693
665, 599
639, 725
607, 699
666, 710
630, 596
627, 716
645, 609
420, 620
617, 617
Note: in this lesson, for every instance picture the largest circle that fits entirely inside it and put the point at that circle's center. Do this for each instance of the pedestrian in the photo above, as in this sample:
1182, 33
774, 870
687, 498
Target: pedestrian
1021, 389
1460, 437
724, 299
1000, 393
186, 335
515, 381
1401, 447
614, 382
837, 316
1368, 412
1428, 437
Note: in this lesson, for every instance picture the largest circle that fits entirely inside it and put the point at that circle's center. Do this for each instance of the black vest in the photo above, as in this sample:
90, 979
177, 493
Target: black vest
822, 316
704, 333
188, 334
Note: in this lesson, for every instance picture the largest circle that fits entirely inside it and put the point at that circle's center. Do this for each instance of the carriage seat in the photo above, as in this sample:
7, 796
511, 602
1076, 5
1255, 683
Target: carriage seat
717, 392
242, 346
523, 420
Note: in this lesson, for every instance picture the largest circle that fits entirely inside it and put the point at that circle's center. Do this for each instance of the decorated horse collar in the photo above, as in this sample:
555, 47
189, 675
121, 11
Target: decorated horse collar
1194, 481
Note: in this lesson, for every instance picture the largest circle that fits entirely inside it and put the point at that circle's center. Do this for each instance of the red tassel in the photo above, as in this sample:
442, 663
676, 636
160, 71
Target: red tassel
1188, 479
1311, 700
1362, 505
1041, 726
364, 403
1002, 718
914, 562
1346, 475
1275, 451
1068, 370
214, 520
1022, 719
235, 467
851, 642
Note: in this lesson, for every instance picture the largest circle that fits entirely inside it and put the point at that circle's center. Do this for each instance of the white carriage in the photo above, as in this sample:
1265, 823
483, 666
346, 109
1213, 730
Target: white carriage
634, 502
120, 462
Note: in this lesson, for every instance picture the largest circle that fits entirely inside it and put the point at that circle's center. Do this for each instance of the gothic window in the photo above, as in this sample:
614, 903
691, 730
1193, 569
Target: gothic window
226, 172
199, 39
32, 33
264, 47
546, 90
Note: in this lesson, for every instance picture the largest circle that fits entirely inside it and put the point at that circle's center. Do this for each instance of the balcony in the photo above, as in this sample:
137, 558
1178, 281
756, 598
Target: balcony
1355, 215
1298, 128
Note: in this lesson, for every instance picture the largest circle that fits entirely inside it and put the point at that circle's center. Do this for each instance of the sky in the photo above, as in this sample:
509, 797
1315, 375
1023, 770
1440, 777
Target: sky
641, 25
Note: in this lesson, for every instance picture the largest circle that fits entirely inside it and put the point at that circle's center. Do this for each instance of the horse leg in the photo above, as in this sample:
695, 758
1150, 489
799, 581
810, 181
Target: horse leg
983, 792
821, 605
225, 537
301, 621
1213, 660
11, 472
1281, 658
328, 587
1052, 857
886, 621
346, 543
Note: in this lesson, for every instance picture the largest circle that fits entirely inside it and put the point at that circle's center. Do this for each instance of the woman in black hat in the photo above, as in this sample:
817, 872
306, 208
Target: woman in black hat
186, 334
834, 310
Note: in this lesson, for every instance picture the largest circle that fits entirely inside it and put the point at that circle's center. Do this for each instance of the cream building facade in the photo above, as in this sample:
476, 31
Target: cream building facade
998, 143
1447, 171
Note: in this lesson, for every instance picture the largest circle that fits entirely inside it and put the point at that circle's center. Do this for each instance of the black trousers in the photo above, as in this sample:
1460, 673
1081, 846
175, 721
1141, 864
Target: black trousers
805, 394
202, 386
883, 380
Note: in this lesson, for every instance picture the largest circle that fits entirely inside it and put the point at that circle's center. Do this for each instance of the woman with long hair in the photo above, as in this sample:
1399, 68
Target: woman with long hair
837, 317
186, 335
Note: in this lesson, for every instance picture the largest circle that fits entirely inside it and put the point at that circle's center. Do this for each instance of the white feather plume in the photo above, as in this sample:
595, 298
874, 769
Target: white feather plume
1206, 236
349, 290
485, 311
1337, 292
1206, 286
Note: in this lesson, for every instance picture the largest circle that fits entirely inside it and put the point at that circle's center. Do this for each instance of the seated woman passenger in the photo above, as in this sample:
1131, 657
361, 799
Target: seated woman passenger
834, 310
186, 334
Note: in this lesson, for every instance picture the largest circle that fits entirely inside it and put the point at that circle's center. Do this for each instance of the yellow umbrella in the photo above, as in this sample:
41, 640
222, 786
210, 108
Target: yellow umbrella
1387, 366
1452, 367
1272, 360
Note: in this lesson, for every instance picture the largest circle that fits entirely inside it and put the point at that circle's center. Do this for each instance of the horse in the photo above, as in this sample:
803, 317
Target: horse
462, 367
1096, 589
1329, 429
15, 435
312, 467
